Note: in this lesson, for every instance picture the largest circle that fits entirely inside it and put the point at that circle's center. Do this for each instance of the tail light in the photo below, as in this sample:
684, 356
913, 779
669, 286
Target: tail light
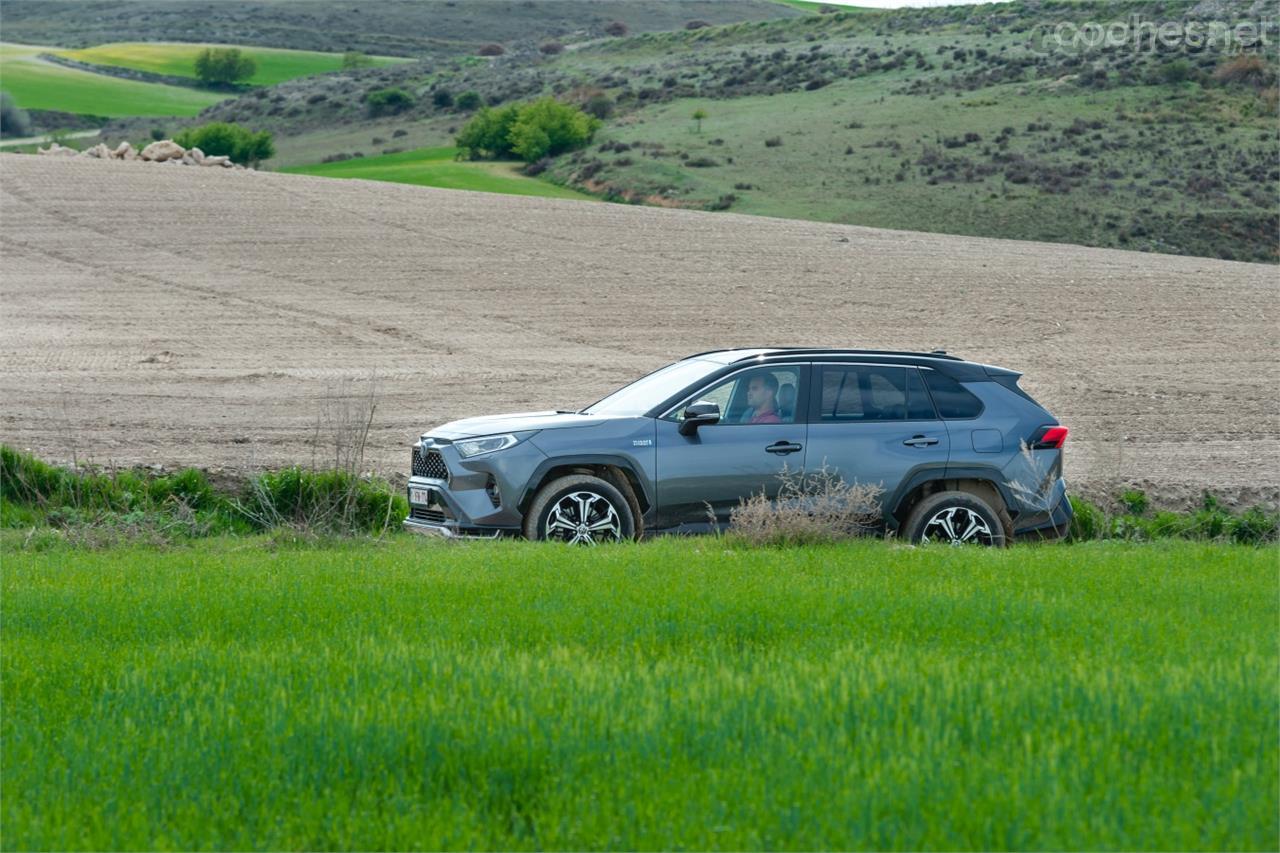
1049, 438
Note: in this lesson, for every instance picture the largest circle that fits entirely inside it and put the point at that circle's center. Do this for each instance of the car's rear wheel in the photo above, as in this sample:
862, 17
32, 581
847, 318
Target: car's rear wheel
955, 518
581, 510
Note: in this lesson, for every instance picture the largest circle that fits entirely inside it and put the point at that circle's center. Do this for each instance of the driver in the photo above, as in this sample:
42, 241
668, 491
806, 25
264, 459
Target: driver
762, 397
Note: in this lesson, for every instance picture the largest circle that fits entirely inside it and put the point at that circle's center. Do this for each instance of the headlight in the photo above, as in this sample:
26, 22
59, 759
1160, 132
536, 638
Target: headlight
488, 444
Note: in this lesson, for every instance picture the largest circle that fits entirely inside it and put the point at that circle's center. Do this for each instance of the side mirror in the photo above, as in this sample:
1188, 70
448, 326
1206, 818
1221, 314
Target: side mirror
699, 414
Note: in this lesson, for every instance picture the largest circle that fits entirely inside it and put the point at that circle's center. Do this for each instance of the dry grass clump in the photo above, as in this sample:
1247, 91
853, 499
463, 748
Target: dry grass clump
808, 508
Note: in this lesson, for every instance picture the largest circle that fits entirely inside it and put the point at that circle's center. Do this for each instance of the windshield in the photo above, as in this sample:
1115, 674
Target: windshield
645, 393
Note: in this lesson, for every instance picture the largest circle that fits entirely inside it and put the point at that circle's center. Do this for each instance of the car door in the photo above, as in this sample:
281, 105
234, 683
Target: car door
873, 423
723, 463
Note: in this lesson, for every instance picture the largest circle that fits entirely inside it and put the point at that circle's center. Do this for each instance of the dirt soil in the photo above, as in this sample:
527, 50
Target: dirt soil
170, 317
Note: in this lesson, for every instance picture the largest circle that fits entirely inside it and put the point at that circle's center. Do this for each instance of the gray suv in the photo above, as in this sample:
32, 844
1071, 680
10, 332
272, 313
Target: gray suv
961, 452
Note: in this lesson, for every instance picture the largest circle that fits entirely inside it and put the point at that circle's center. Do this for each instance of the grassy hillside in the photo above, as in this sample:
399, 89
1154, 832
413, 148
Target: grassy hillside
677, 694
419, 28
39, 85
274, 65
437, 167
950, 119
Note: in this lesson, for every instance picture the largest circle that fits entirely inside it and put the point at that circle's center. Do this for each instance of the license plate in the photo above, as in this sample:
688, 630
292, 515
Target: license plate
421, 496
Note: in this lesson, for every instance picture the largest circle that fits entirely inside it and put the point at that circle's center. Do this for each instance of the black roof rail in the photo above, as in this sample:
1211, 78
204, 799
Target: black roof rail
842, 351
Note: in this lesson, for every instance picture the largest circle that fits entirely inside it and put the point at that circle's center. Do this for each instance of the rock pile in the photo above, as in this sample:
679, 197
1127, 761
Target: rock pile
164, 151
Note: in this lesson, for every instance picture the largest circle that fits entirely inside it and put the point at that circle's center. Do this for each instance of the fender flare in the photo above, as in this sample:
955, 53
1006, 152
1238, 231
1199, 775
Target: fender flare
927, 472
626, 464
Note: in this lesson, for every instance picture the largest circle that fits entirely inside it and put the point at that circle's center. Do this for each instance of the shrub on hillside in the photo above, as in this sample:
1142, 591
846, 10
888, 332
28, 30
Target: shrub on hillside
491, 50
599, 105
551, 48
468, 101
224, 66
13, 121
242, 145
388, 101
442, 98
1246, 69
542, 128
615, 28
354, 59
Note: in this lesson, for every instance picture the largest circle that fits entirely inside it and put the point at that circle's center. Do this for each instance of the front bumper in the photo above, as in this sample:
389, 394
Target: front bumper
470, 498
447, 531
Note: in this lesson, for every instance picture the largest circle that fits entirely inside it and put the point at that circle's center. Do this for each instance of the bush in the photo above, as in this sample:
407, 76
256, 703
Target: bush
599, 105
328, 502
388, 101
773, 142
13, 121
1212, 521
808, 508
1135, 501
1087, 521
1255, 526
442, 98
491, 50
224, 66
231, 140
95, 508
696, 25
353, 60
615, 29
468, 101
701, 162
1246, 69
551, 48
542, 128
1177, 71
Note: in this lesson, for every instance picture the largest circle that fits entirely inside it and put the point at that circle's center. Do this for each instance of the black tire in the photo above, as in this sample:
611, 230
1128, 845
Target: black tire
559, 502
957, 518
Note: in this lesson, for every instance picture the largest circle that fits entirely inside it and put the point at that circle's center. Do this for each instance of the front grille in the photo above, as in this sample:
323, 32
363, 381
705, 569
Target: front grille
429, 514
429, 464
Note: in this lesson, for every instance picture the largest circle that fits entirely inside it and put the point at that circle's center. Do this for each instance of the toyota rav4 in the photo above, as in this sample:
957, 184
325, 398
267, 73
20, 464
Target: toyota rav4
961, 453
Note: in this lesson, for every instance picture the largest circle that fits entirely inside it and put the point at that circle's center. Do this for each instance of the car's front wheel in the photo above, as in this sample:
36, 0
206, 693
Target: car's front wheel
580, 509
955, 518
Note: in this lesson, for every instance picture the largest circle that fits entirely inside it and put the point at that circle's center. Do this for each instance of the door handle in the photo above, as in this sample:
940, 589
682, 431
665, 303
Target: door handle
920, 441
782, 448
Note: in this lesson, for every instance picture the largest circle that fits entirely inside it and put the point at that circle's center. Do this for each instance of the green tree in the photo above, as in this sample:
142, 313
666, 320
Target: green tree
488, 133
467, 101
224, 66
219, 138
353, 60
698, 115
547, 127
542, 128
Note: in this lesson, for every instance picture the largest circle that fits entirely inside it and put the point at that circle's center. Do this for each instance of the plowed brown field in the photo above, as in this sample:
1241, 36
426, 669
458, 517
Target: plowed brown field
174, 316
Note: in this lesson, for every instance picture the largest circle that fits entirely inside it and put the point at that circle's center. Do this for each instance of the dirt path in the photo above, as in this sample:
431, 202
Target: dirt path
180, 316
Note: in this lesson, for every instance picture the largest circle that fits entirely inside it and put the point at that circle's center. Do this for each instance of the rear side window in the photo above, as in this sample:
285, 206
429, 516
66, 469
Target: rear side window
952, 400
871, 393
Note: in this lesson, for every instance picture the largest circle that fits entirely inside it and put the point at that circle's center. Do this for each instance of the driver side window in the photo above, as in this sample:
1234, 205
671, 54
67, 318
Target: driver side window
763, 395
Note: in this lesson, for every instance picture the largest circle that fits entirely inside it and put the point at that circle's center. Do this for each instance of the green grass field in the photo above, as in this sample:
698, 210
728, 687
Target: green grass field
436, 167
253, 694
39, 85
274, 65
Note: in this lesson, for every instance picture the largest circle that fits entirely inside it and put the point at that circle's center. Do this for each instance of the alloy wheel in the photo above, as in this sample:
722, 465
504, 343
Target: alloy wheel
957, 525
584, 518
